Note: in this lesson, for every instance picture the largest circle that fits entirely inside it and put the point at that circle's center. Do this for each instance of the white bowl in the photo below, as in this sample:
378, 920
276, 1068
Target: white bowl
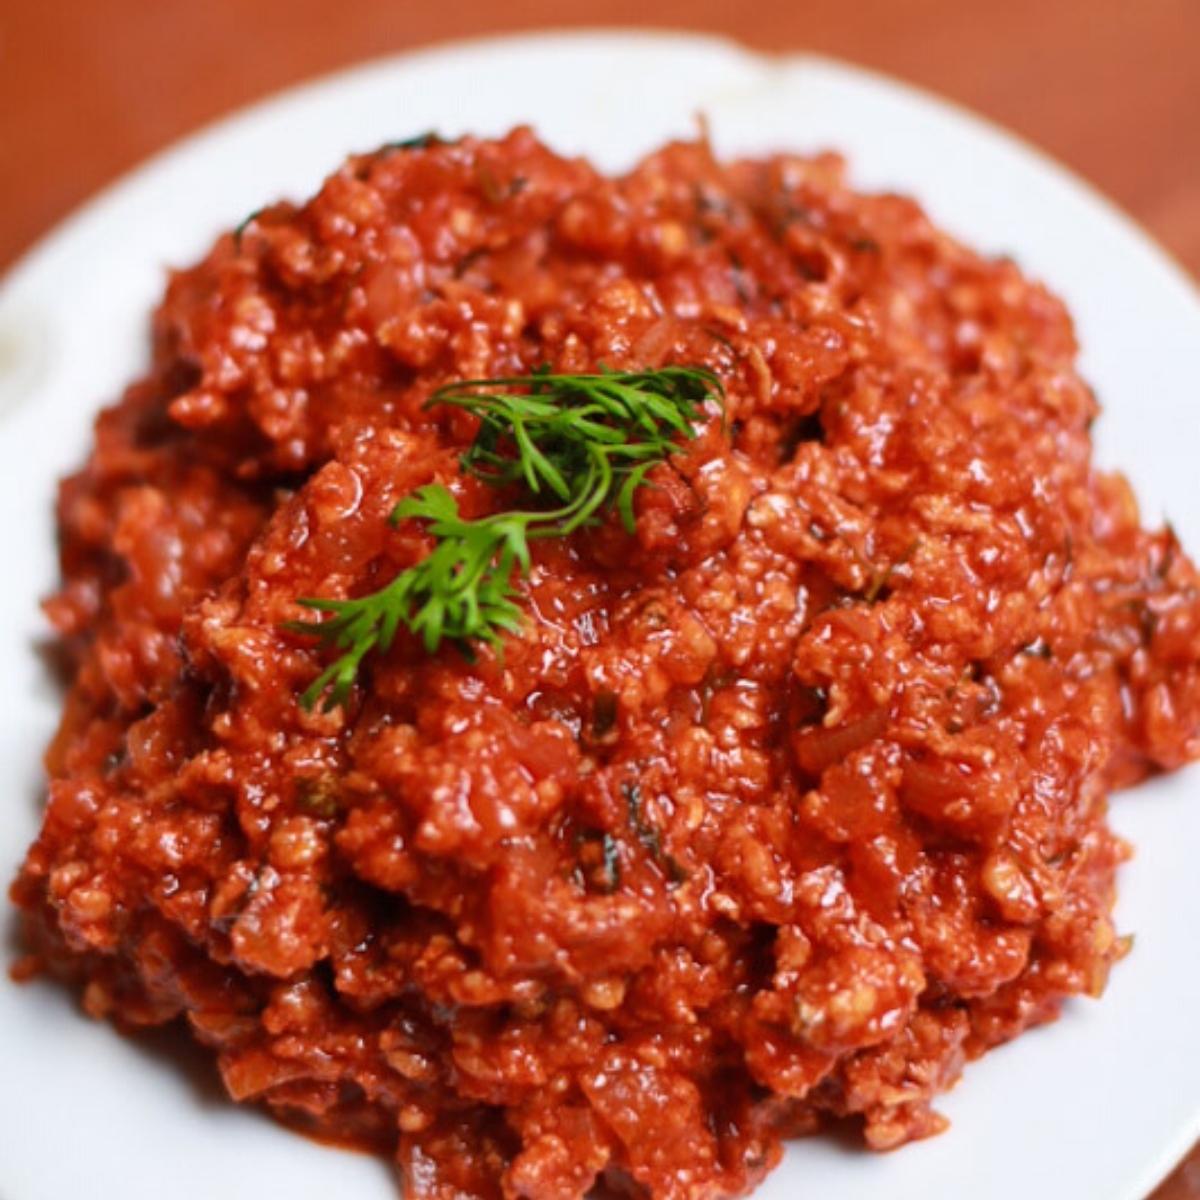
1097, 1106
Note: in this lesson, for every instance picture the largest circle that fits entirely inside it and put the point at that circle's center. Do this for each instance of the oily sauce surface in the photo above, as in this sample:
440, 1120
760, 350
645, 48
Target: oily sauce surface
775, 814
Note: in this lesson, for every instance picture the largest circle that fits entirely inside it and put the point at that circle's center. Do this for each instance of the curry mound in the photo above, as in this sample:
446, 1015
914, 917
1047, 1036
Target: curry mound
774, 812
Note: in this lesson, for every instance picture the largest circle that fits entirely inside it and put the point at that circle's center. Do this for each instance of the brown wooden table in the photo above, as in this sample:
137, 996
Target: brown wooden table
1111, 87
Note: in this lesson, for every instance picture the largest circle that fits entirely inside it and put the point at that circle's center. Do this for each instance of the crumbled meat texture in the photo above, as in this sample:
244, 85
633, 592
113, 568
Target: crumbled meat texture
774, 814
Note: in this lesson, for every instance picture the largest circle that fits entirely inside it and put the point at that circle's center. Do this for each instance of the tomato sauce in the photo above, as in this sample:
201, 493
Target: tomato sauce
776, 812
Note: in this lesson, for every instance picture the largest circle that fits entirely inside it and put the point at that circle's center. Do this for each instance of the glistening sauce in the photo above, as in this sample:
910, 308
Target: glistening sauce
775, 813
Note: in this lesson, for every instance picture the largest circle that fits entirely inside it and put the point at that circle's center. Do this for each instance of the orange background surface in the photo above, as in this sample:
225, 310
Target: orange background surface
1111, 87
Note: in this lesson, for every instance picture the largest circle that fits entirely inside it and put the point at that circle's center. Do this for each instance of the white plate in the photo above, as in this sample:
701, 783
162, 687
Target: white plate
1099, 1105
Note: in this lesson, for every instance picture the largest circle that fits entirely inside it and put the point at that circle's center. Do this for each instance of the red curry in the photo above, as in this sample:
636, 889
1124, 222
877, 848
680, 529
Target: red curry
773, 815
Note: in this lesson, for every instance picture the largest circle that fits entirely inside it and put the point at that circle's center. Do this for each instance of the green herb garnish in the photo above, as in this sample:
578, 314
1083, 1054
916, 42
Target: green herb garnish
245, 224
422, 141
649, 836
585, 441
599, 866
